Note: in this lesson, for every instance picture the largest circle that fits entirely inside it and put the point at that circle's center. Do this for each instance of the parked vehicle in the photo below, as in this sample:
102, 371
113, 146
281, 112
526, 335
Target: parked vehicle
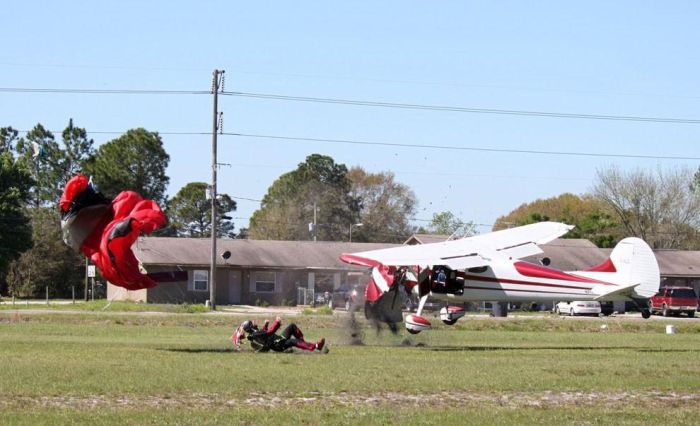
673, 301
578, 307
410, 304
607, 308
322, 298
347, 296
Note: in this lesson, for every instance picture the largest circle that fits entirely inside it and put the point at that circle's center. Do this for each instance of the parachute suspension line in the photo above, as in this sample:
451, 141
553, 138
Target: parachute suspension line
122, 289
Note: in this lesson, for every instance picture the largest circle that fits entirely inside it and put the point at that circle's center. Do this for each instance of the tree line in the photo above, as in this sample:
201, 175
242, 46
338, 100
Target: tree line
660, 206
34, 169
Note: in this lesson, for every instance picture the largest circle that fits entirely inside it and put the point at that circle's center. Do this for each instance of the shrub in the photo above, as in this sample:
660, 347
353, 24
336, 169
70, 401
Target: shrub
261, 302
195, 308
323, 310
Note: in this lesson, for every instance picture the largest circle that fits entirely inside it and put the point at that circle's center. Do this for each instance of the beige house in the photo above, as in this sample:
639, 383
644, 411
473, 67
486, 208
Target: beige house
679, 268
257, 272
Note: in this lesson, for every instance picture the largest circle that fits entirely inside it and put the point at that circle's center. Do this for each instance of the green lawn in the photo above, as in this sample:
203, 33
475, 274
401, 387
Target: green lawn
114, 369
101, 305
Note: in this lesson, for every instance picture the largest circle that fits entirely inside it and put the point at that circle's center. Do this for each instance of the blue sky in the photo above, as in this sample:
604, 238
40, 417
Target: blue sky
633, 58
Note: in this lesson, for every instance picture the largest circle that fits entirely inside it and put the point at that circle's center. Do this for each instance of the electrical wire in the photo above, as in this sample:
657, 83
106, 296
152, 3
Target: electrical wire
105, 91
246, 199
464, 109
379, 104
462, 148
410, 145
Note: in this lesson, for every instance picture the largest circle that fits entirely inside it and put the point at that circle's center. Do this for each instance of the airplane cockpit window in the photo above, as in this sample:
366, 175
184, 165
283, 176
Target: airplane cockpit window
478, 269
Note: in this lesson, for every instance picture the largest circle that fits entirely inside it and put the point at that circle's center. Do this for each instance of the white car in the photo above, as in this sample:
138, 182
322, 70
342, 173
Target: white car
578, 307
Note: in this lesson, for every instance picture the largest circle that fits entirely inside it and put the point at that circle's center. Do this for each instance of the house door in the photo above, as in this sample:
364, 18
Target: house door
234, 287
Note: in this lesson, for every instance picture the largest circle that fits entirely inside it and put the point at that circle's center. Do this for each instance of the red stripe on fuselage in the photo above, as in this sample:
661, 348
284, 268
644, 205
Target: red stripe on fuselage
536, 271
522, 291
520, 282
607, 266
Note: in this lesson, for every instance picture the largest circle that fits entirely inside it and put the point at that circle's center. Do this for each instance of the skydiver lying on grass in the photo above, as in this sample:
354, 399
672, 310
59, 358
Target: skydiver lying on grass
264, 339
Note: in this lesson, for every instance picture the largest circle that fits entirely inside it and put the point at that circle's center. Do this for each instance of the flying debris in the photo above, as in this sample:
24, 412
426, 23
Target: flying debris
104, 230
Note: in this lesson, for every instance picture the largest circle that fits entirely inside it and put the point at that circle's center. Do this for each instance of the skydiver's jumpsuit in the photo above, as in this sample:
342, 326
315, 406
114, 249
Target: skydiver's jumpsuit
266, 339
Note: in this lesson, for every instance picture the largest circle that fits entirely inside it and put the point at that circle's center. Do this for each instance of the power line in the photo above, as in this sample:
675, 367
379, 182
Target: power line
380, 104
462, 148
409, 145
112, 67
246, 199
354, 78
105, 91
464, 109
121, 132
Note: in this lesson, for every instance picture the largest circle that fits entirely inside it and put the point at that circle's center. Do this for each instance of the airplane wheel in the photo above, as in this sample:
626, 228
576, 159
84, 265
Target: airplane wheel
646, 314
450, 322
413, 331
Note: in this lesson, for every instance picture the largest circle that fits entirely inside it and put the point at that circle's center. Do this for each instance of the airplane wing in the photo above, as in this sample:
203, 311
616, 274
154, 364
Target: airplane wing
466, 252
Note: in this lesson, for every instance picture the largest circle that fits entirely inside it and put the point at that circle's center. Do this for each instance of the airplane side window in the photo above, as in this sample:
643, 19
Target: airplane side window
478, 269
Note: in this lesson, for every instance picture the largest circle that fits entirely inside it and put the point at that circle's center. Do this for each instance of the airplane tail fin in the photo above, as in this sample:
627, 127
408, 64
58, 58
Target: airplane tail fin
635, 269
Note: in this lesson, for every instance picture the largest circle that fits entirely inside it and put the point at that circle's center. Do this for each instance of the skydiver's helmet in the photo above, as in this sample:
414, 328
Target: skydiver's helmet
247, 326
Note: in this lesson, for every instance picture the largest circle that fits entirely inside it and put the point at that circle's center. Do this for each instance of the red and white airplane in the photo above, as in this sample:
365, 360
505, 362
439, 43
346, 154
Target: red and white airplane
488, 267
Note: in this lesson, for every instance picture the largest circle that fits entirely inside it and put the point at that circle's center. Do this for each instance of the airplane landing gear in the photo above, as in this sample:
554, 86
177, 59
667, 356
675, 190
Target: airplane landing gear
643, 305
450, 314
415, 323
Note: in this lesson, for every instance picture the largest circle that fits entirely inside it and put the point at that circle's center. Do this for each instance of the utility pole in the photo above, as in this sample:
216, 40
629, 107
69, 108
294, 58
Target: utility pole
217, 81
86, 279
354, 224
315, 221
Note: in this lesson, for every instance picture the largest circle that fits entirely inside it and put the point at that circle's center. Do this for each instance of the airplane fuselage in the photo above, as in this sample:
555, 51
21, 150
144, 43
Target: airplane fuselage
517, 281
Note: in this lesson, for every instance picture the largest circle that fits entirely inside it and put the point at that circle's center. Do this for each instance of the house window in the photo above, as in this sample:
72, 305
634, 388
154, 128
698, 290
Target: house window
356, 278
200, 280
264, 282
323, 283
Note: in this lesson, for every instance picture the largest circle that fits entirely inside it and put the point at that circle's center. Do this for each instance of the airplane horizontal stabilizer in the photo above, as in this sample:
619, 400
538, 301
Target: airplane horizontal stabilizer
617, 293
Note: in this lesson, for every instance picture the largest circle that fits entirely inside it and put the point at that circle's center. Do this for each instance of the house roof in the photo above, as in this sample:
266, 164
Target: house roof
426, 239
258, 253
570, 254
567, 254
678, 262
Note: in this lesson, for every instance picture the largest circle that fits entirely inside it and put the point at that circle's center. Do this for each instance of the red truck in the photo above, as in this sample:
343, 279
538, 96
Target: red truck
674, 300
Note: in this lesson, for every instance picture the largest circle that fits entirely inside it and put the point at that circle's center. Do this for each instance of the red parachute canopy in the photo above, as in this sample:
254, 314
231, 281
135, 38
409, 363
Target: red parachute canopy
104, 230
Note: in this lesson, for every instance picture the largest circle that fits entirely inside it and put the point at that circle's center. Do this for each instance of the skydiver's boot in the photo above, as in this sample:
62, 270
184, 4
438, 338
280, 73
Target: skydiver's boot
320, 344
305, 345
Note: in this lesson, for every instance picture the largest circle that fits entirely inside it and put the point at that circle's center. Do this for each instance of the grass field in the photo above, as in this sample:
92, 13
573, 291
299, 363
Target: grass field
111, 368
102, 305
